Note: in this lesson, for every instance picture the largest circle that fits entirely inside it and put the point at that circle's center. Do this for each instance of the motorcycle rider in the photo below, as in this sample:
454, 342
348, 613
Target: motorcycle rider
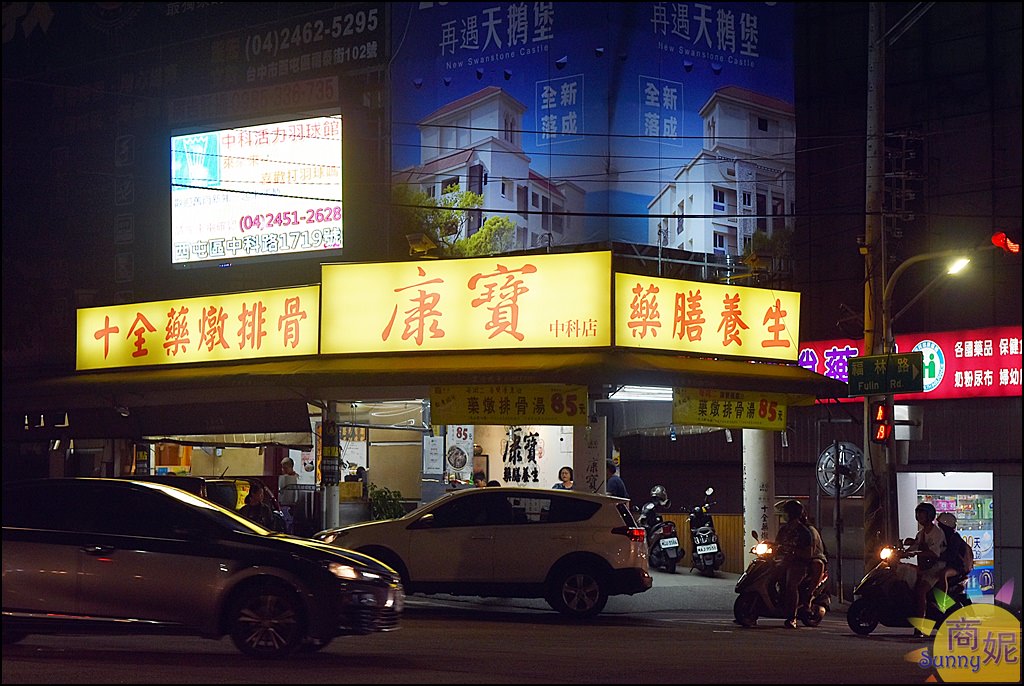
796, 546
816, 565
929, 545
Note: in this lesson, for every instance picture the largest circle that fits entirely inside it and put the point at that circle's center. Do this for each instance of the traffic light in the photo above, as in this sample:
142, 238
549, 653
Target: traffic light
881, 421
1003, 242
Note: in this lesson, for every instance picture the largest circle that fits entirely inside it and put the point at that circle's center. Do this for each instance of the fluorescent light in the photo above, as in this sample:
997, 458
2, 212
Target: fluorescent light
642, 393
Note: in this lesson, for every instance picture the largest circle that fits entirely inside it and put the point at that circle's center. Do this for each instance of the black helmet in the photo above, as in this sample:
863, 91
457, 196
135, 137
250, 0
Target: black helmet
793, 508
659, 494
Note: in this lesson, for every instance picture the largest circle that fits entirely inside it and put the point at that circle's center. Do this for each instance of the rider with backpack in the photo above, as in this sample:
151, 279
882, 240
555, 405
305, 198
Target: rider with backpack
958, 556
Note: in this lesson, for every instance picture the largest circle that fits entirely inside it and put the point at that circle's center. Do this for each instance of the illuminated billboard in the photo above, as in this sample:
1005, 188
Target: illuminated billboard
257, 191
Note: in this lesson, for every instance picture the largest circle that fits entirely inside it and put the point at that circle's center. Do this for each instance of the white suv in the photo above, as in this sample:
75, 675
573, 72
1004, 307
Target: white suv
572, 549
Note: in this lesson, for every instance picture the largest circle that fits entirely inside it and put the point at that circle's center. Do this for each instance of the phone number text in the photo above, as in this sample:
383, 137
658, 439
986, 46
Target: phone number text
270, 220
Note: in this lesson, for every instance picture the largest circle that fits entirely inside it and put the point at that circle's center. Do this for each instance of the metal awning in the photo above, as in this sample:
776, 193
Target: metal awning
273, 396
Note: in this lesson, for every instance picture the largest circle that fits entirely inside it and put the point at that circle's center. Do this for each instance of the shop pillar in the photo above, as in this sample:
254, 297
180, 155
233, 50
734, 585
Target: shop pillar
758, 486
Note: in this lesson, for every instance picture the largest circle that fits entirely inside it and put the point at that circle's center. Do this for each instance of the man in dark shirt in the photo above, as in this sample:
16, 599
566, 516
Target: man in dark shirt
614, 485
796, 546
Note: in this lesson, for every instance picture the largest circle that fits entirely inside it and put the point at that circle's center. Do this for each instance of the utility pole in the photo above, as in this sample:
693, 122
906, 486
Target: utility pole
876, 486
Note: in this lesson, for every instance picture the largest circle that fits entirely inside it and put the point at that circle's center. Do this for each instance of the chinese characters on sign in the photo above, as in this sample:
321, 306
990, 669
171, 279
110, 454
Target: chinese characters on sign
729, 409
708, 318
241, 326
956, 364
542, 301
520, 451
556, 404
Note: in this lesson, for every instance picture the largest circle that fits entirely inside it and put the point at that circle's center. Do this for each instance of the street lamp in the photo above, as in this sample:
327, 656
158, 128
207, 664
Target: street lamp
959, 259
881, 516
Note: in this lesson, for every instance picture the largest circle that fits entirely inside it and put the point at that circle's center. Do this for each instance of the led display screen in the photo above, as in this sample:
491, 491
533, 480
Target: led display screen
257, 191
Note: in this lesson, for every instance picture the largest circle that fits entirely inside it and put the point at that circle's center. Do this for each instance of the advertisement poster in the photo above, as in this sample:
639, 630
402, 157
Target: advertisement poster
585, 110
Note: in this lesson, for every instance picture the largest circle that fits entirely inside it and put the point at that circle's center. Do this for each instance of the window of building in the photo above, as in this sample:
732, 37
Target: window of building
506, 188
522, 193
534, 200
747, 198
545, 217
447, 185
557, 219
762, 211
762, 124
719, 200
681, 211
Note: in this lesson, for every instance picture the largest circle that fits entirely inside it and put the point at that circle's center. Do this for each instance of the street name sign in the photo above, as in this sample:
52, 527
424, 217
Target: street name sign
886, 374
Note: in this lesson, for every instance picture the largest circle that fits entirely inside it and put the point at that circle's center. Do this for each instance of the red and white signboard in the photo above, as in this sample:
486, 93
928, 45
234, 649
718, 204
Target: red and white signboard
971, 363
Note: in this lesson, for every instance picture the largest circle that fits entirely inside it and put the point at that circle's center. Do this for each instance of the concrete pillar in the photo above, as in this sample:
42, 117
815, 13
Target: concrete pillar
758, 487
331, 468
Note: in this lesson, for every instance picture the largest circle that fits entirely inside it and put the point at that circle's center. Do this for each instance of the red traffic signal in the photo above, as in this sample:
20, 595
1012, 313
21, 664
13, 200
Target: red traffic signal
1003, 242
881, 421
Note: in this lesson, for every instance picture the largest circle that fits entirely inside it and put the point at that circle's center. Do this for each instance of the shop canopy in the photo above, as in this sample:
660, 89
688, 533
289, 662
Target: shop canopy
264, 398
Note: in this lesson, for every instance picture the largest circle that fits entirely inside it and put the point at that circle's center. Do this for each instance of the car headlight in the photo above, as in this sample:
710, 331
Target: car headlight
350, 573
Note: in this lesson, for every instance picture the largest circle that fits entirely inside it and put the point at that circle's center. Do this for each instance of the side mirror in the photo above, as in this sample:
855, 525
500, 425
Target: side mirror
424, 522
754, 534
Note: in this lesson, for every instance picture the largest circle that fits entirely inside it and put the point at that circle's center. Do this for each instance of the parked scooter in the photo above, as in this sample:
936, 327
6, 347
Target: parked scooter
762, 588
707, 552
884, 597
662, 537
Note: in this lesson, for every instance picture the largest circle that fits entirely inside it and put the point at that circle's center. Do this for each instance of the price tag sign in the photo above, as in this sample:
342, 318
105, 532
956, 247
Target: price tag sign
511, 405
729, 409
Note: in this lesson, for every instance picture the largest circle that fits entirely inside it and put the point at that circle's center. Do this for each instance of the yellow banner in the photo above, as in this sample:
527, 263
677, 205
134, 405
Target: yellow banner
488, 303
511, 405
729, 409
706, 318
213, 328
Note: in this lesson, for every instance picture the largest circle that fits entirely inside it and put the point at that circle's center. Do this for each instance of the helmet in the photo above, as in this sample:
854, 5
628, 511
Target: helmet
793, 508
949, 519
659, 494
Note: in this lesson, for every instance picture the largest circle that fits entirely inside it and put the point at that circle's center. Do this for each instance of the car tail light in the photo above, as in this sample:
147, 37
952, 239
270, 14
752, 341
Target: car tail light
636, 534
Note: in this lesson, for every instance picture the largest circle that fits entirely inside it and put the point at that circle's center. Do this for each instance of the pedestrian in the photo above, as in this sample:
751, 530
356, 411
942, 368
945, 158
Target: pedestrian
564, 479
479, 480
256, 508
614, 485
288, 493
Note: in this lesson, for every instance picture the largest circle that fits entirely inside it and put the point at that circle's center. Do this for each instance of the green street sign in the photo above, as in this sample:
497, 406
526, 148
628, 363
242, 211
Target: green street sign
886, 374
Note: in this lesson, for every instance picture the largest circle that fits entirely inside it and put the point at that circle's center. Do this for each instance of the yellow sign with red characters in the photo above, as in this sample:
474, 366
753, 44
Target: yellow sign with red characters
706, 318
213, 328
729, 409
487, 303
511, 405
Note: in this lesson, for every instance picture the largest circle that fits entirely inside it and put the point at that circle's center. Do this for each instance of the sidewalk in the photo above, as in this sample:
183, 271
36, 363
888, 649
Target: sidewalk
684, 590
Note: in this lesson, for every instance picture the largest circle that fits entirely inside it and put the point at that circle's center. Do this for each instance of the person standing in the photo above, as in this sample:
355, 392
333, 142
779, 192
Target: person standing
564, 479
288, 493
614, 485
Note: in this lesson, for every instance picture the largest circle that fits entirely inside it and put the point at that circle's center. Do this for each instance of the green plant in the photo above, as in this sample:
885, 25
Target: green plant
385, 503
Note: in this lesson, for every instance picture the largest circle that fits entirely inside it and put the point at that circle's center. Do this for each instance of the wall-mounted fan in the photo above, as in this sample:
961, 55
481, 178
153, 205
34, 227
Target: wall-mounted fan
841, 463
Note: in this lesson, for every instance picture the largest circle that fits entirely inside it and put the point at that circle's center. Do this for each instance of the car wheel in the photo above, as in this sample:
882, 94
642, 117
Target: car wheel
862, 617
578, 592
744, 609
267, 621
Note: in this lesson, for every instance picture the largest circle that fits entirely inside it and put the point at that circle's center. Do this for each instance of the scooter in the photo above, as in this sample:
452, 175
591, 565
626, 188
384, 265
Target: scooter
707, 553
761, 590
884, 597
662, 537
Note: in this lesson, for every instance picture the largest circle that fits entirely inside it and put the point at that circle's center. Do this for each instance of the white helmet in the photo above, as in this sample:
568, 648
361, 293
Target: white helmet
659, 494
949, 519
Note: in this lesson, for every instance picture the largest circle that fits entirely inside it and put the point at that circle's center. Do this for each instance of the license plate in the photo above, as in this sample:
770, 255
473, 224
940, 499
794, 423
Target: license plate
670, 543
705, 549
